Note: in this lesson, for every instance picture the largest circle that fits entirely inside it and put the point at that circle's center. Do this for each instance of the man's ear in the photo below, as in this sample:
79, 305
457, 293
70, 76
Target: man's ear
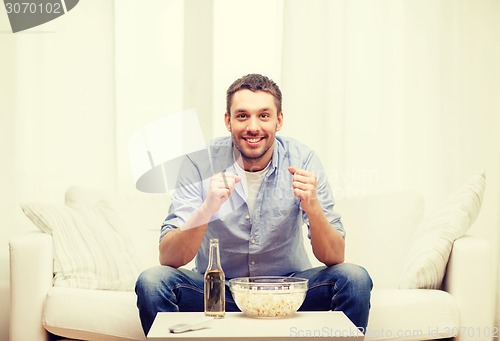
280, 121
227, 121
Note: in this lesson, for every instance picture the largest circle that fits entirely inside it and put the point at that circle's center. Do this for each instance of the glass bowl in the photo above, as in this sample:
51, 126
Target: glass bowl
268, 296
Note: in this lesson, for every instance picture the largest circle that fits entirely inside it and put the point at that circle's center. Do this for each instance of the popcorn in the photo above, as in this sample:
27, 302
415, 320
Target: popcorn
278, 301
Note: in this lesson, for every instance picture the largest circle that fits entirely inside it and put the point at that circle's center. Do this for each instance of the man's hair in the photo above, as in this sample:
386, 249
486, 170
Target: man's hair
254, 82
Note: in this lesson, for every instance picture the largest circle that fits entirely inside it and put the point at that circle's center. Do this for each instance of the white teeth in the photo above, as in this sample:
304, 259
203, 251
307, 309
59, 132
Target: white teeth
253, 140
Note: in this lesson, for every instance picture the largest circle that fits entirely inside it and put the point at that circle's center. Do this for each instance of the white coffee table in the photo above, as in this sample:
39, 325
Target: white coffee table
330, 325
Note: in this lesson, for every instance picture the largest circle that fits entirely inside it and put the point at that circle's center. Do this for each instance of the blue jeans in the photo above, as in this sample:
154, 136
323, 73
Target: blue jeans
345, 287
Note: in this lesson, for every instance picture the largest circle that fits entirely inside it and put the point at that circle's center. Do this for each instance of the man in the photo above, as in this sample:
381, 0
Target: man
253, 192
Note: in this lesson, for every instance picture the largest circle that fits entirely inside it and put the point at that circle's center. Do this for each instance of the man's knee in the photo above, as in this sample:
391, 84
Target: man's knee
354, 276
151, 279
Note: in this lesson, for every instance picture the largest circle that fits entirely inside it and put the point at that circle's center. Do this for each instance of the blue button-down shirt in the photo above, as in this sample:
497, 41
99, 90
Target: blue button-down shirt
267, 241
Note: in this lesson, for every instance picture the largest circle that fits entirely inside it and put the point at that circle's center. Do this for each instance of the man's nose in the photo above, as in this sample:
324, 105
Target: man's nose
253, 125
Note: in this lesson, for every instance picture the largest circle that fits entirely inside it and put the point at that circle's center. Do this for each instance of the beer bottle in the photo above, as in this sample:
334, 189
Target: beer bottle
214, 283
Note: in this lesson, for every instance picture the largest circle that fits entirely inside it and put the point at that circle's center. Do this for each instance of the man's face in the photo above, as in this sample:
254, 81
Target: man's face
253, 122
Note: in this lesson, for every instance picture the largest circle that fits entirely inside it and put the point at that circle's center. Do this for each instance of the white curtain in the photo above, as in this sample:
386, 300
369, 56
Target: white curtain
393, 95
57, 109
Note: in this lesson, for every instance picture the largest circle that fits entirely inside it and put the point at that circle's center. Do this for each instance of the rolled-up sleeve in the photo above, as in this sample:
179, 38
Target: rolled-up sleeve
187, 197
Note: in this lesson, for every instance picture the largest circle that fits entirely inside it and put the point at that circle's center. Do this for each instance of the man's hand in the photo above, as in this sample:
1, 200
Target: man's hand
221, 187
327, 243
304, 188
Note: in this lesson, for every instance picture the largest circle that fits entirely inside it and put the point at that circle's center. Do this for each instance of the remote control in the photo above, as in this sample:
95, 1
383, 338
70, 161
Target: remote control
201, 323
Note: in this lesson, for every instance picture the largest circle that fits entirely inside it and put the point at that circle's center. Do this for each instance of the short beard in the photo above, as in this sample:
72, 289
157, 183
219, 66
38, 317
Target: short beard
250, 159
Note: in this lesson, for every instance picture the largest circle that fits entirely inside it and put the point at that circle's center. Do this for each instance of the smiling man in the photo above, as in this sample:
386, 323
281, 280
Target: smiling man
254, 194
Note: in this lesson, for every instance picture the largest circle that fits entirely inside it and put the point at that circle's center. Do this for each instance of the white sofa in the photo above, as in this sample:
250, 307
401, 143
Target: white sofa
379, 235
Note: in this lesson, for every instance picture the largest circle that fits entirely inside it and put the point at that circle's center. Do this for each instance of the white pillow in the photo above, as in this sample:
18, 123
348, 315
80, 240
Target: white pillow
88, 252
138, 216
434, 238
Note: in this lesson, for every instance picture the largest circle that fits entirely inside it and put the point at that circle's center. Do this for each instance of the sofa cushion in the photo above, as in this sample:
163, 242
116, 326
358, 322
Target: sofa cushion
378, 232
88, 251
92, 313
433, 240
412, 315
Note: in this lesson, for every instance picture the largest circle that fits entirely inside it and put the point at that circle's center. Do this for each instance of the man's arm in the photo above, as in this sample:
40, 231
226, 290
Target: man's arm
327, 243
178, 247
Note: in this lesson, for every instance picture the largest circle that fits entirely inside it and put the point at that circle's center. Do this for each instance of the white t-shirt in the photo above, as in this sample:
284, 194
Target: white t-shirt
251, 182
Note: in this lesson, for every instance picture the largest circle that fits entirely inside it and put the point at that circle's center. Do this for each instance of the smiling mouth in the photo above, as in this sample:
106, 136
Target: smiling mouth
253, 139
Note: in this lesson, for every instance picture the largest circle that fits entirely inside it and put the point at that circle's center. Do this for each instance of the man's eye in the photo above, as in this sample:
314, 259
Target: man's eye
264, 115
240, 116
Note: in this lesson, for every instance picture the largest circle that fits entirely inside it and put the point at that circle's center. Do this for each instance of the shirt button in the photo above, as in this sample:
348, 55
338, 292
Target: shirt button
247, 216
252, 241
252, 262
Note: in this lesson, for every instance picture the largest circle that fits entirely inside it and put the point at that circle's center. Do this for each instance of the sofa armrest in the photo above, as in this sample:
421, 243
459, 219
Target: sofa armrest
469, 279
31, 273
